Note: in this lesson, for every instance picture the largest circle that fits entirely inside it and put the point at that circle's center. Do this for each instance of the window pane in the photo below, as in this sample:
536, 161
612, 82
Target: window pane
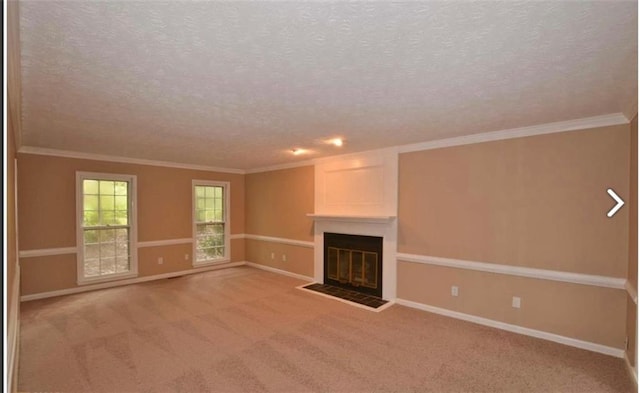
208, 192
121, 188
121, 203
121, 217
108, 217
218, 192
90, 202
106, 251
199, 191
107, 202
90, 186
91, 218
91, 267
107, 265
209, 241
91, 236
106, 187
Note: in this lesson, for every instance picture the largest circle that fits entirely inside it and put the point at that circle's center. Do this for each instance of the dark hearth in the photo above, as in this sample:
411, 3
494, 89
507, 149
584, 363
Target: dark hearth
346, 294
353, 262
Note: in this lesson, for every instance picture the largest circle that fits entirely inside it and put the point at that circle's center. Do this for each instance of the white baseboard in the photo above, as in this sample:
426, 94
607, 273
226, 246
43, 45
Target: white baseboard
280, 271
633, 371
619, 353
111, 284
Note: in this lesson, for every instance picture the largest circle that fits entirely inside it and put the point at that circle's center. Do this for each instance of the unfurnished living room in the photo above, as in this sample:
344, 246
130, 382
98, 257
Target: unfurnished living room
249, 196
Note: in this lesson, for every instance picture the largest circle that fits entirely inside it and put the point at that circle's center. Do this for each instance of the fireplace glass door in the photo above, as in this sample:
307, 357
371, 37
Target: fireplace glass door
354, 262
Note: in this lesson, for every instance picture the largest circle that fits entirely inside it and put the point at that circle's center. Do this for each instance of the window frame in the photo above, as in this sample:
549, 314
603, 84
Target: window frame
133, 226
226, 186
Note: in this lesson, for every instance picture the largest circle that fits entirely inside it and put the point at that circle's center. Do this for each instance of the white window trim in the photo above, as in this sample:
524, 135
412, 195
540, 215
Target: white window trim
227, 222
133, 235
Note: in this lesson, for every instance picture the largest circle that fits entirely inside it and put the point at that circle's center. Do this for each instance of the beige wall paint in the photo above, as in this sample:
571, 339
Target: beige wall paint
584, 312
632, 271
538, 202
277, 203
299, 259
46, 188
631, 326
12, 133
47, 273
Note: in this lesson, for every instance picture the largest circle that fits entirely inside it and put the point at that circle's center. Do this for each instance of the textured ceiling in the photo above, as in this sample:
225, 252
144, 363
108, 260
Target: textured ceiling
238, 84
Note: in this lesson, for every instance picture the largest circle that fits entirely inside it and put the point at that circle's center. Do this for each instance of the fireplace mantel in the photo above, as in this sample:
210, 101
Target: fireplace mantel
352, 218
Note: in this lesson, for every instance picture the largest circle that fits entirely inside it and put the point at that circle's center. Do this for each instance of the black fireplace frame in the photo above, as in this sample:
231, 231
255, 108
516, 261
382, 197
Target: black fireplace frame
354, 242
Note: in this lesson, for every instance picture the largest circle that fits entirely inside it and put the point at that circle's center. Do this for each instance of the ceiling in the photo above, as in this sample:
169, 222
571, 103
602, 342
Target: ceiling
240, 84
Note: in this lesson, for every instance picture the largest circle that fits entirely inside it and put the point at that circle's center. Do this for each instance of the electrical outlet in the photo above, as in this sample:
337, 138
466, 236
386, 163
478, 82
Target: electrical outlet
284, 257
273, 255
160, 261
515, 302
454, 291
186, 257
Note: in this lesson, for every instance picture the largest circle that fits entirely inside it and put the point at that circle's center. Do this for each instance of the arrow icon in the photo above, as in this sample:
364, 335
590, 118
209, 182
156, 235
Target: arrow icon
619, 202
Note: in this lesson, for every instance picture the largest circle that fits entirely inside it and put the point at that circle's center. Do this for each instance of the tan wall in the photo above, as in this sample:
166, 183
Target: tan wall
46, 188
584, 312
536, 202
632, 271
277, 203
13, 131
299, 259
539, 202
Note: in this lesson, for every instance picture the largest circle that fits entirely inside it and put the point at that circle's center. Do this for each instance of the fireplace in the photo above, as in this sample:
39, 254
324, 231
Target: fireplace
353, 262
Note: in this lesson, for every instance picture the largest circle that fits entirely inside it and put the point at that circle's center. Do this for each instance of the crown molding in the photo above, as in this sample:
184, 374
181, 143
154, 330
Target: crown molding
127, 160
281, 166
540, 129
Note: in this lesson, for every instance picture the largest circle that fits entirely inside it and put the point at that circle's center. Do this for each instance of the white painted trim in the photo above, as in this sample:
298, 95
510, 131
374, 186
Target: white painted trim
553, 275
540, 129
347, 218
633, 293
87, 288
280, 271
132, 199
281, 166
44, 252
226, 220
354, 304
168, 242
281, 240
127, 160
633, 371
619, 353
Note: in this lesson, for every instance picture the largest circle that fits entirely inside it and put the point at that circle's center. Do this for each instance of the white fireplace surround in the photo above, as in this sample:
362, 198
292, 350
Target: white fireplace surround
357, 195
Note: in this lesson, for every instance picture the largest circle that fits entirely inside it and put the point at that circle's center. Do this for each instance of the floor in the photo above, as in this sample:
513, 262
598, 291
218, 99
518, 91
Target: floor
247, 330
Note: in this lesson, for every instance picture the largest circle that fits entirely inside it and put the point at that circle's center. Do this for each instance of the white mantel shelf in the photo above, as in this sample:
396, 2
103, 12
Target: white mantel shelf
347, 218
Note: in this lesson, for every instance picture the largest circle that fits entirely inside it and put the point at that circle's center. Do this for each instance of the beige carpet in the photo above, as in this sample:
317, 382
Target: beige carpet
246, 330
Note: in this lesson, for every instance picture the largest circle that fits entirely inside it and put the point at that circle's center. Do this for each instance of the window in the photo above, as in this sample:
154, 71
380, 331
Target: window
210, 226
106, 231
